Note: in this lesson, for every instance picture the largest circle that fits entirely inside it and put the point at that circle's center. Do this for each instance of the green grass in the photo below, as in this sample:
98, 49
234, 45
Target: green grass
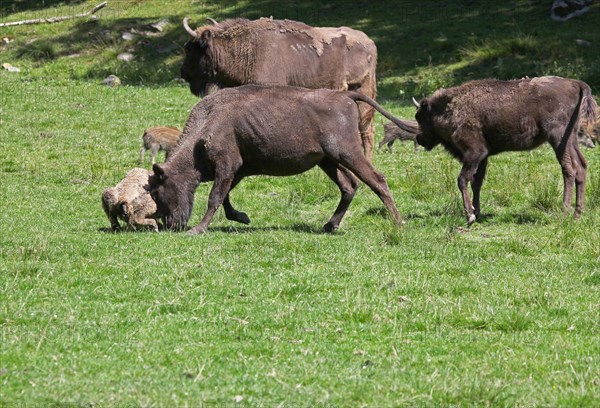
504, 313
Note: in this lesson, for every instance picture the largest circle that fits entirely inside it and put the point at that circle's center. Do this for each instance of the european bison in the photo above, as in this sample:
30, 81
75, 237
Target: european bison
159, 138
130, 202
282, 52
487, 117
392, 133
277, 131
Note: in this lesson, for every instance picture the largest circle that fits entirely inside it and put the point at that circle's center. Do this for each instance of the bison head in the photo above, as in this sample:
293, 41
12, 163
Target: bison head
173, 195
198, 68
426, 136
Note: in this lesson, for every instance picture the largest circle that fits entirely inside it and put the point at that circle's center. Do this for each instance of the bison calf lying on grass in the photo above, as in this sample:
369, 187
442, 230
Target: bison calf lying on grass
483, 118
130, 202
393, 133
159, 138
277, 131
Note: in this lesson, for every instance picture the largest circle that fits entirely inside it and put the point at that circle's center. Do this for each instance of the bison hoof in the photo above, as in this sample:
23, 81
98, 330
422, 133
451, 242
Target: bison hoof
196, 230
329, 227
471, 219
243, 218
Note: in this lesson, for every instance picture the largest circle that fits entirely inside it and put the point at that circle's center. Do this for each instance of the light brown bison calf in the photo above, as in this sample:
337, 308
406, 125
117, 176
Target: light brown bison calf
393, 133
159, 138
130, 202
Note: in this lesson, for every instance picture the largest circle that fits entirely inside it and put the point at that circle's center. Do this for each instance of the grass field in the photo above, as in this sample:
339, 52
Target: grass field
504, 313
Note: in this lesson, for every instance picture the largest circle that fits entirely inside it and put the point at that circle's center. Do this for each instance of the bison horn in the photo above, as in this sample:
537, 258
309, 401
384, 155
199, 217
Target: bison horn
187, 27
416, 103
212, 20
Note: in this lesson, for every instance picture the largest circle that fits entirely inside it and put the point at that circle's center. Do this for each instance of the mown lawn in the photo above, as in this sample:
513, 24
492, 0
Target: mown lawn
276, 313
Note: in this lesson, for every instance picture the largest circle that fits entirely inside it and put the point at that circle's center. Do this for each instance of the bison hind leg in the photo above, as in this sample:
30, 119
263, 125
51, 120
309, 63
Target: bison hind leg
347, 183
364, 170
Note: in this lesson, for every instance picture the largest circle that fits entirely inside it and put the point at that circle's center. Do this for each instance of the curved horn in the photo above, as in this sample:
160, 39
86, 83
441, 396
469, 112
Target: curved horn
187, 27
212, 20
415, 102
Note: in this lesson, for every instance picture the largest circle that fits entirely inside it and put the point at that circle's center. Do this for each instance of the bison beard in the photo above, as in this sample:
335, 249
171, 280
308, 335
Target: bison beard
483, 118
277, 131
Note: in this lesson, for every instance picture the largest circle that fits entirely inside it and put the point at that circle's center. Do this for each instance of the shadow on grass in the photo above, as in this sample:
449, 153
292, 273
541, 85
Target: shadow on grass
299, 227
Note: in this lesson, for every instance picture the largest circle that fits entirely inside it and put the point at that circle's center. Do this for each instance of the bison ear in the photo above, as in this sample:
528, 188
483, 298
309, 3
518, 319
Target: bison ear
206, 38
159, 172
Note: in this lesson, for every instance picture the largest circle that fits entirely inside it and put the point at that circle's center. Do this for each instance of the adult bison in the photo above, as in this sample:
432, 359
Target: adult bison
487, 117
282, 52
277, 131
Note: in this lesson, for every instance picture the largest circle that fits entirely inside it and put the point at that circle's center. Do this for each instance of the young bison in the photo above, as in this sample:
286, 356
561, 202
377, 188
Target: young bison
482, 118
130, 202
277, 131
159, 138
393, 133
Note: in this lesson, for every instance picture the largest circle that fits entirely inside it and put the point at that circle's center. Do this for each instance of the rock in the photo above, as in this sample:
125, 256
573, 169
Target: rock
112, 81
10, 68
160, 26
583, 42
128, 36
563, 10
126, 57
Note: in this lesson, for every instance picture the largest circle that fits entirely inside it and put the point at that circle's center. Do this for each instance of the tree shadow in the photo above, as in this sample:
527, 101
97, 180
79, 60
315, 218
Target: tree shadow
412, 41
19, 6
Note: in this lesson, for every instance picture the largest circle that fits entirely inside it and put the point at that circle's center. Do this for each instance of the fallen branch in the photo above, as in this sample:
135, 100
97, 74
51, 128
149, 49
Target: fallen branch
54, 19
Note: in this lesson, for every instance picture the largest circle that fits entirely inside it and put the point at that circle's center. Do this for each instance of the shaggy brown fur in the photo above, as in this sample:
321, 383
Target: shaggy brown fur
393, 132
283, 52
482, 118
130, 202
277, 131
159, 138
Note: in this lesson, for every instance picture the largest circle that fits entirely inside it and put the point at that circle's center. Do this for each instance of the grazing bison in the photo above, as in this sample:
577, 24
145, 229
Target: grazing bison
159, 138
277, 131
589, 133
487, 117
393, 132
282, 52
130, 202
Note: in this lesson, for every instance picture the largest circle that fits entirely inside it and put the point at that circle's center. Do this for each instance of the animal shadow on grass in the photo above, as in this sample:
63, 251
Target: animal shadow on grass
298, 227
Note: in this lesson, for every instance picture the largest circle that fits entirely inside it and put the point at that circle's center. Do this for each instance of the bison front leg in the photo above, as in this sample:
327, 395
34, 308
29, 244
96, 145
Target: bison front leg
233, 214
347, 183
218, 193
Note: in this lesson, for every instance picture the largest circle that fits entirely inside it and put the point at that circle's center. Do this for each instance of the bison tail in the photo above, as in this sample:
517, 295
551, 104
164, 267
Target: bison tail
407, 127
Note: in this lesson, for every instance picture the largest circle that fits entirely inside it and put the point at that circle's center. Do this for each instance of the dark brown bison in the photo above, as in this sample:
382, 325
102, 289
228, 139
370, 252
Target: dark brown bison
282, 52
277, 131
487, 117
